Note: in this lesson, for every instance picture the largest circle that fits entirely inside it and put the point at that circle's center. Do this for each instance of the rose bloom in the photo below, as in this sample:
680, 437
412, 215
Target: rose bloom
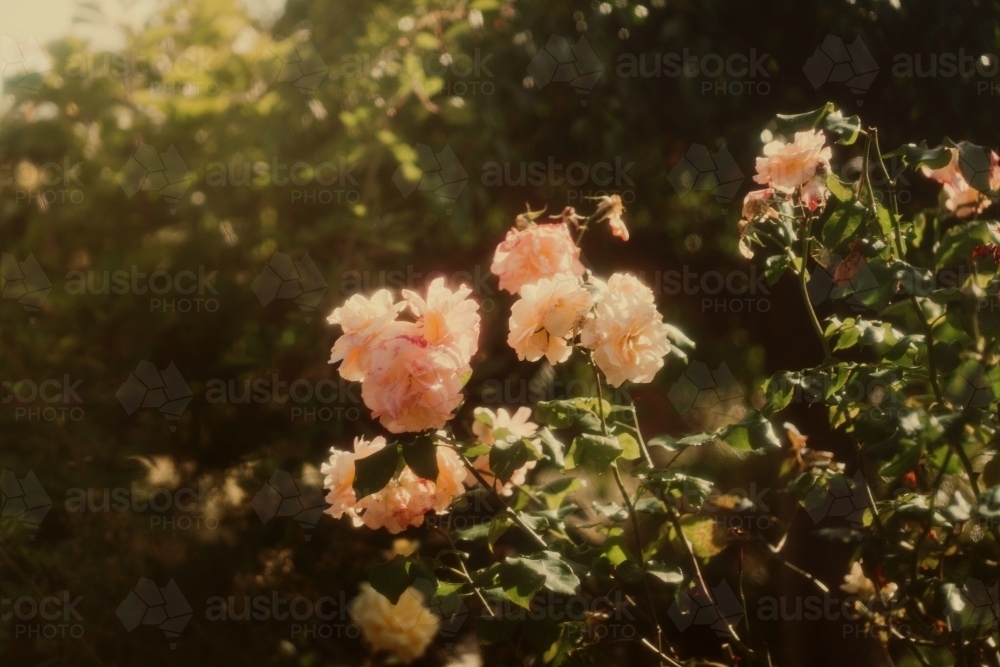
406, 628
961, 198
787, 166
546, 316
529, 255
403, 502
450, 483
516, 425
412, 385
447, 318
613, 208
814, 193
626, 332
364, 321
856, 583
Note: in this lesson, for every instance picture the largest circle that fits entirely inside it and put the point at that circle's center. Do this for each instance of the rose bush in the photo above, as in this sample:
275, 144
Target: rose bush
920, 504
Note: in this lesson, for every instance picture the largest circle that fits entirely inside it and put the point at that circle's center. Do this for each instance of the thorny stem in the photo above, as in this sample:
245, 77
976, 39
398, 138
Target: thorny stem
929, 344
817, 327
515, 517
465, 571
894, 216
625, 497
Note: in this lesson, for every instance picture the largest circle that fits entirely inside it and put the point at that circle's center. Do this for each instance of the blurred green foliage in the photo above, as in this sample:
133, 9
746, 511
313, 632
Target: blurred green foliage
374, 81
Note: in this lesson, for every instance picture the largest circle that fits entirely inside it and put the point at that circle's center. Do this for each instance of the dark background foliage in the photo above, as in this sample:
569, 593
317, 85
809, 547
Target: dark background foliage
352, 117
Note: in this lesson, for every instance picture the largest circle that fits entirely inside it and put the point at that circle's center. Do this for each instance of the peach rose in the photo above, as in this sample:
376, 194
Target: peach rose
612, 207
364, 321
412, 385
403, 502
626, 332
814, 193
486, 424
406, 628
539, 251
450, 483
856, 583
447, 318
961, 198
546, 317
787, 166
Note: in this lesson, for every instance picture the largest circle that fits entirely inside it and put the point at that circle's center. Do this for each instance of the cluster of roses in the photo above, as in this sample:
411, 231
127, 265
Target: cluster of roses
798, 170
616, 320
795, 171
411, 374
412, 370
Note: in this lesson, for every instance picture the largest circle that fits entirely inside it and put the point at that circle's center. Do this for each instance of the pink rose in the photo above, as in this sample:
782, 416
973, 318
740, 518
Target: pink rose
540, 251
787, 166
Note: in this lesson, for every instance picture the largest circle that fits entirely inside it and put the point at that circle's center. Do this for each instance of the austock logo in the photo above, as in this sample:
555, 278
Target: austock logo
972, 387
450, 610
842, 497
718, 609
440, 173
284, 278
282, 496
149, 604
293, 60
701, 388
24, 500
23, 64
836, 62
24, 282
151, 170
561, 62
704, 171
147, 387
974, 605
847, 278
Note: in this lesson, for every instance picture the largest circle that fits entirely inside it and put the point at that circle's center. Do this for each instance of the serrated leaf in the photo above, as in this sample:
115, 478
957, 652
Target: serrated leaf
596, 451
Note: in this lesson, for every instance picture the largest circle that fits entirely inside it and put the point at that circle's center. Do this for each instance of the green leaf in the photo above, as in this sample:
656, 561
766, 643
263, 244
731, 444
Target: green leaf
916, 156
630, 446
597, 451
668, 575
506, 458
421, 456
846, 129
391, 579
788, 124
498, 526
839, 189
522, 577
477, 450
843, 224
752, 432
775, 267
556, 449
373, 472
